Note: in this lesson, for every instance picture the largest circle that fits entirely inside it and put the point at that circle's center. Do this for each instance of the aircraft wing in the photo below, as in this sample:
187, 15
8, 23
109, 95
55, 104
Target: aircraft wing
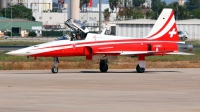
125, 53
130, 53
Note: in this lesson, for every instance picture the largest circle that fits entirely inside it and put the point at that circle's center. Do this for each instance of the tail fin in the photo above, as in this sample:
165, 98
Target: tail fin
165, 28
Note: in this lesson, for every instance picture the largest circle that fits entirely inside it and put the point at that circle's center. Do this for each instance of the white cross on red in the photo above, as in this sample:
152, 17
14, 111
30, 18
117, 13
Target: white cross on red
173, 32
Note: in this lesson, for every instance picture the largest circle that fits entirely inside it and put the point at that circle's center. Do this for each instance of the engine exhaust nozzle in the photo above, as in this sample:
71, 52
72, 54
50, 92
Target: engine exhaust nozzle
184, 47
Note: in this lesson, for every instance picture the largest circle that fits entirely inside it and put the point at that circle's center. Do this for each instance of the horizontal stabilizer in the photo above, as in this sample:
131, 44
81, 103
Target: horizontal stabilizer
180, 53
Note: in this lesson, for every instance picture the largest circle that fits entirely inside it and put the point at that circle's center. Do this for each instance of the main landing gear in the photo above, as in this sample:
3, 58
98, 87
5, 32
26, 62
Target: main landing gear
103, 66
140, 69
54, 69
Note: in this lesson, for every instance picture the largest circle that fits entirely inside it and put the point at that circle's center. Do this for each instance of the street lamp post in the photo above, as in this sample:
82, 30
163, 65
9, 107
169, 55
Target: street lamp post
100, 16
11, 18
5, 7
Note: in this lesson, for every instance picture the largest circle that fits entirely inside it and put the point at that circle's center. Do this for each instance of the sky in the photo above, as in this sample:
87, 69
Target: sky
106, 1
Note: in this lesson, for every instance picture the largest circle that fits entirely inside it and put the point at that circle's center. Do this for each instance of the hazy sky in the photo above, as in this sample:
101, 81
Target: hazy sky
106, 1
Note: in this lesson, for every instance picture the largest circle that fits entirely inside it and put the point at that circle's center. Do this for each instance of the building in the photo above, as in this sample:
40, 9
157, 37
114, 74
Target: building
3, 4
129, 3
96, 8
147, 4
39, 5
141, 27
19, 27
58, 19
134, 28
181, 2
17, 2
51, 19
126, 3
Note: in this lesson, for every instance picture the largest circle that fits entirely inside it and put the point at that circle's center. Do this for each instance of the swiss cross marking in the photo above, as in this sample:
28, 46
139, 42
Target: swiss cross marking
173, 32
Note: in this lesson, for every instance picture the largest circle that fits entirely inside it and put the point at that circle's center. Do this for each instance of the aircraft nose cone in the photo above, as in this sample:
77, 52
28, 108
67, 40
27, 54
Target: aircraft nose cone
16, 53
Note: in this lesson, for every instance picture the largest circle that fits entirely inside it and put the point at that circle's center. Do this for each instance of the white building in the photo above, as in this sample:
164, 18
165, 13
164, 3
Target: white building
129, 3
39, 5
52, 18
141, 27
16, 2
147, 3
181, 2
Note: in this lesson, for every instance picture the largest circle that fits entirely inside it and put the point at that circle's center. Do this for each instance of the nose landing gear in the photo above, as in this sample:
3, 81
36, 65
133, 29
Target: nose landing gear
54, 69
103, 66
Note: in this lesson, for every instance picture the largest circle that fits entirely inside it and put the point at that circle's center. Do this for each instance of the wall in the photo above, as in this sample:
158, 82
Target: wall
142, 30
95, 16
51, 18
133, 30
192, 29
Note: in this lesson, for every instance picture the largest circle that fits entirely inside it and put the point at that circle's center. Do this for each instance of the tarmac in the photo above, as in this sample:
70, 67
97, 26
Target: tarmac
119, 90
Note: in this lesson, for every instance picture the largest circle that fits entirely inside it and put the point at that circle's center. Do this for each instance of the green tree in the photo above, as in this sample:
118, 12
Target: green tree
18, 11
137, 14
1, 15
151, 14
106, 14
128, 12
32, 34
192, 4
180, 12
195, 13
157, 7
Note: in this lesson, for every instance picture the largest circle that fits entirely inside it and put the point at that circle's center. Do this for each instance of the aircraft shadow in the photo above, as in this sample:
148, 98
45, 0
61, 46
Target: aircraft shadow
127, 71
65, 72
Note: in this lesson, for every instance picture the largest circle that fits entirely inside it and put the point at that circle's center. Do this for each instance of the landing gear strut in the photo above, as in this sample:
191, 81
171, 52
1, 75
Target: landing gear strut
54, 69
140, 68
103, 66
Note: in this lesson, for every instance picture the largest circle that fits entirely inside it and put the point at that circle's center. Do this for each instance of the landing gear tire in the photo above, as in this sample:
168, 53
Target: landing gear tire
103, 66
140, 69
54, 69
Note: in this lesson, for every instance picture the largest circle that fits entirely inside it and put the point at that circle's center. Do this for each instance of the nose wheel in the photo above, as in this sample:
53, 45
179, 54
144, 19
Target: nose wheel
103, 66
54, 69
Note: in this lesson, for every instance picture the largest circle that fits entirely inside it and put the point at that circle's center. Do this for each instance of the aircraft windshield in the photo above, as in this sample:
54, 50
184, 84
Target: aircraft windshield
79, 24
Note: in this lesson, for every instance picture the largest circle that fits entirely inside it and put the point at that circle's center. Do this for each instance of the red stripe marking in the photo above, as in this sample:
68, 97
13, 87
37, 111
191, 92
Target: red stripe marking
170, 17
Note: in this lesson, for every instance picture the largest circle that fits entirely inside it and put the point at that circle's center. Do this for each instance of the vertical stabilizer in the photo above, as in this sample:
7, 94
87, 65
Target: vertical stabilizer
165, 28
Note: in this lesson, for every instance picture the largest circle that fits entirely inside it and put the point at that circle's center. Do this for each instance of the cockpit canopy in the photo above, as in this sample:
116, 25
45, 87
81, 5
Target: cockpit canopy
76, 25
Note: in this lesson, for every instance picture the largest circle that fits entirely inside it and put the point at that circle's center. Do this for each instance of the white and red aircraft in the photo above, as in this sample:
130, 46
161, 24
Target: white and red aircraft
162, 40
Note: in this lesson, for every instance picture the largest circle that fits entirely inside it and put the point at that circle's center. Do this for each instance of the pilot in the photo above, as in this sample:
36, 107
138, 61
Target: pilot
78, 37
